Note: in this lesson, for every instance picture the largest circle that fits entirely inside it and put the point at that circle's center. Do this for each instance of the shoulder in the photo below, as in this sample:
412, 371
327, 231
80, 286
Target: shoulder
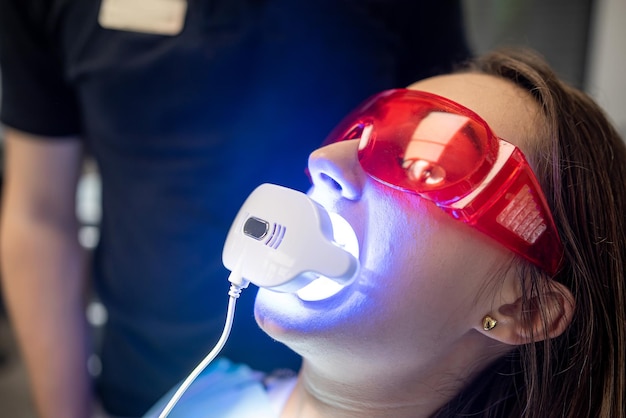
222, 390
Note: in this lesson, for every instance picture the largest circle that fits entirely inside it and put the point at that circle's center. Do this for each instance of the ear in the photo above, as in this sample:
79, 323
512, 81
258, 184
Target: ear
547, 315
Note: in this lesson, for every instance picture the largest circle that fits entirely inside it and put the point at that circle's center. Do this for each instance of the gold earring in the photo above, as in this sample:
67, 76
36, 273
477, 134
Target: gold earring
489, 323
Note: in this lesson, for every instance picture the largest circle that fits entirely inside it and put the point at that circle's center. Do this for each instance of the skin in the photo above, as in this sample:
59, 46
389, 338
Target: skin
43, 270
407, 335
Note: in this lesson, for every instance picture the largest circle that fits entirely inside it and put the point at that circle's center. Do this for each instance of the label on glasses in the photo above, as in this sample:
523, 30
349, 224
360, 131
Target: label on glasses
523, 217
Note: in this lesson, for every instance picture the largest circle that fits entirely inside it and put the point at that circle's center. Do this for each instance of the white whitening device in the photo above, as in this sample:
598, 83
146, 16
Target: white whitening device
282, 240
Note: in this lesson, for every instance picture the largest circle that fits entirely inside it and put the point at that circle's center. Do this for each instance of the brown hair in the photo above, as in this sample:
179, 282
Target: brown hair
581, 164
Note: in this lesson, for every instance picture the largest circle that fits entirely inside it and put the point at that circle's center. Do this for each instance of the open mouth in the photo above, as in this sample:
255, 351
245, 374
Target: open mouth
324, 287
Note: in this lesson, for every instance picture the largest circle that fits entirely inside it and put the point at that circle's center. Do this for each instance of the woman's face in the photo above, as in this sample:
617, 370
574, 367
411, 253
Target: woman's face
426, 280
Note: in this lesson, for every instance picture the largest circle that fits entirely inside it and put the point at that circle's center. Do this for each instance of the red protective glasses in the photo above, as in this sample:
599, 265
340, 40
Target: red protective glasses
428, 145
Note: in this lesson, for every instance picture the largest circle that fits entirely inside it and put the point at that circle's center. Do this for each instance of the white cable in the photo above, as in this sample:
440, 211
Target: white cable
234, 292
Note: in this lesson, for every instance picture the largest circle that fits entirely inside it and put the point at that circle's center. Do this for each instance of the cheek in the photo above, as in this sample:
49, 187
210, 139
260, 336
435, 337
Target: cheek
400, 234
403, 255
424, 265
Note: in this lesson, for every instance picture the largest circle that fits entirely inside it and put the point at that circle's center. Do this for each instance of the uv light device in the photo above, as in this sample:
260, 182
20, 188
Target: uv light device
282, 240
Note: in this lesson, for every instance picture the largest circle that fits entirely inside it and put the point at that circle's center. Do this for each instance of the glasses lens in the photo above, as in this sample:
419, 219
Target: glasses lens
422, 144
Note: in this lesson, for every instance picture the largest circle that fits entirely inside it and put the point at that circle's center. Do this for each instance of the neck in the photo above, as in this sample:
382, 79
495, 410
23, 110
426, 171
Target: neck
344, 389
315, 397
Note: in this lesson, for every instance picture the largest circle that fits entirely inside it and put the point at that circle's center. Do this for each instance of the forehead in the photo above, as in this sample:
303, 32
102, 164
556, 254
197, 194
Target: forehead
508, 109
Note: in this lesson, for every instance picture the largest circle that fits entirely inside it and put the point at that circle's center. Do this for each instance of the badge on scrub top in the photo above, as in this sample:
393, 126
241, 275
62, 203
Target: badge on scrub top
159, 17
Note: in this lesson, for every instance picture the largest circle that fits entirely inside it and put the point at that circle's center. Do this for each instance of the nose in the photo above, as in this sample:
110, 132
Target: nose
336, 168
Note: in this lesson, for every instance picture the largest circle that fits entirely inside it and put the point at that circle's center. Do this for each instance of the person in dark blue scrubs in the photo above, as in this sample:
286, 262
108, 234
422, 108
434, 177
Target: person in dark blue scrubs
185, 106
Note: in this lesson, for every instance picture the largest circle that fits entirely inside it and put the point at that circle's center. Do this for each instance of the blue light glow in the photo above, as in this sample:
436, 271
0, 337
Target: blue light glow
323, 287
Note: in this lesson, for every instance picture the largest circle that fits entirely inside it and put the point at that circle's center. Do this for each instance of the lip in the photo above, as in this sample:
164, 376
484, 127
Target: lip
320, 289
330, 205
340, 208
290, 301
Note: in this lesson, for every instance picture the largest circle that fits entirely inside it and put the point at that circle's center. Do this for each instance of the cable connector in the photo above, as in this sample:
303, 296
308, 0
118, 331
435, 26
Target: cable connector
235, 290
238, 282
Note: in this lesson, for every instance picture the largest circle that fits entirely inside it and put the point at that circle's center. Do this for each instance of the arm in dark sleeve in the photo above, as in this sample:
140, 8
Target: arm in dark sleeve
35, 96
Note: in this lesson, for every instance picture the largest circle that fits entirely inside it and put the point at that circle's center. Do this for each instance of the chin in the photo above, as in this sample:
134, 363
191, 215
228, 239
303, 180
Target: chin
280, 314
284, 316
271, 311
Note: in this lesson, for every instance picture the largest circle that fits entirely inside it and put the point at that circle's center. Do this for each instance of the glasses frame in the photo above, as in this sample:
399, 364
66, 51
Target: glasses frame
495, 190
